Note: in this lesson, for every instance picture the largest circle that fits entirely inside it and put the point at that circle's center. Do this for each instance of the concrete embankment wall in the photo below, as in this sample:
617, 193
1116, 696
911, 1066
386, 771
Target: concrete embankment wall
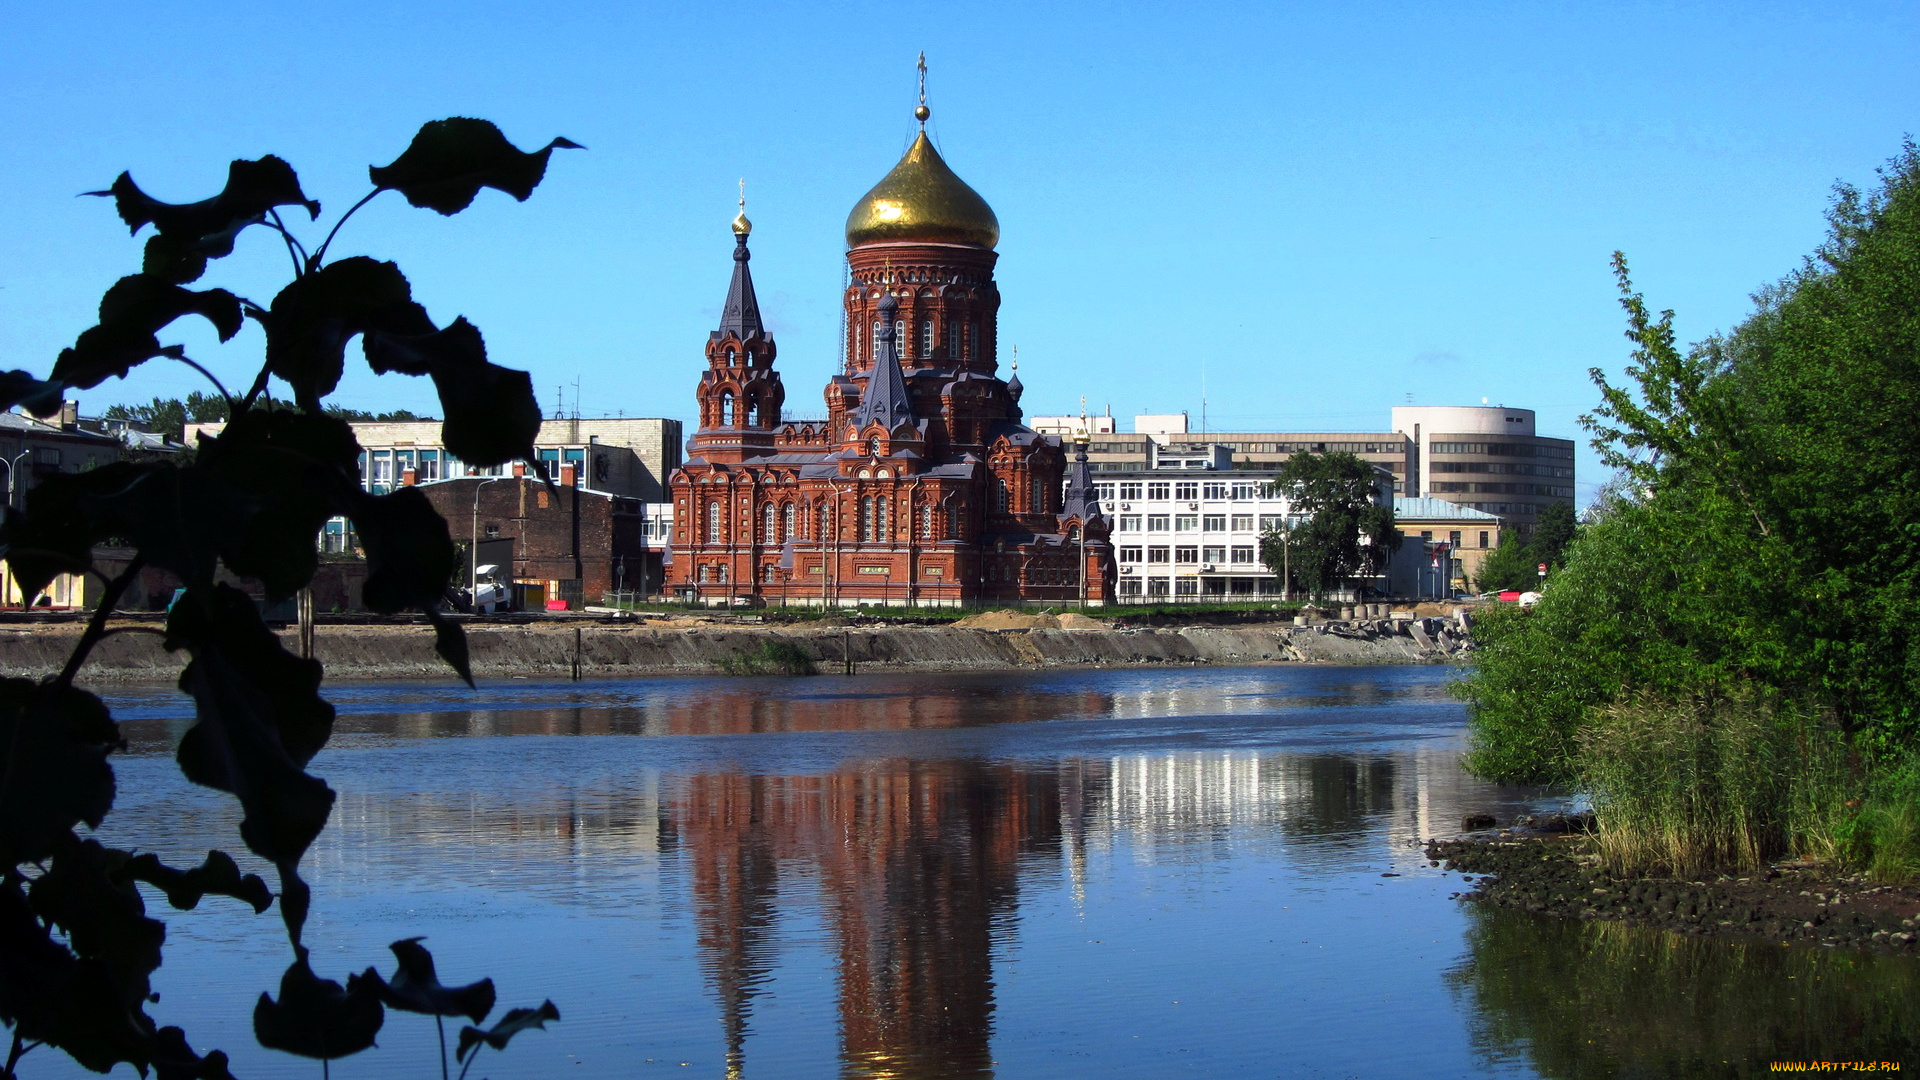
611, 650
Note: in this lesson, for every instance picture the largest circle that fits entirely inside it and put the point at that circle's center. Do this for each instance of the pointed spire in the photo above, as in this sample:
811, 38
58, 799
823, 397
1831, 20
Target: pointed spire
1081, 500
920, 111
741, 315
885, 401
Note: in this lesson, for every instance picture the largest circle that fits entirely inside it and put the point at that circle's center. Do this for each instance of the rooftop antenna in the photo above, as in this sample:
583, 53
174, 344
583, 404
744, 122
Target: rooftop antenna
576, 397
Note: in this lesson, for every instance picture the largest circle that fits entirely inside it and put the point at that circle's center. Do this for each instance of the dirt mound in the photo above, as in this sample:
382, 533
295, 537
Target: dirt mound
1073, 620
1007, 619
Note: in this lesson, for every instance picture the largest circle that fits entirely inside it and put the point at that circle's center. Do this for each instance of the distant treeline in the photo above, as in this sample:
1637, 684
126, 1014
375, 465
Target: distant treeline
170, 416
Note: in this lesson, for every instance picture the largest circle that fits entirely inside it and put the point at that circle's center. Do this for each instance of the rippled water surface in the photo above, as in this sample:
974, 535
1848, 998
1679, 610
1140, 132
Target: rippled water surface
1127, 874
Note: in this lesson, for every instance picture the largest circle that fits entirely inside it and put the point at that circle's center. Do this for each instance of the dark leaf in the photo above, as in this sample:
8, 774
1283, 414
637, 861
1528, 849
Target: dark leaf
449, 161
105, 920
450, 642
316, 1018
297, 470
219, 875
132, 313
209, 226
415, 987
260, 720
410, 554
173, 1059
492, 416
34, 969
515, 1022
39, 398
172, 259
177, 517
57, 739
313, 318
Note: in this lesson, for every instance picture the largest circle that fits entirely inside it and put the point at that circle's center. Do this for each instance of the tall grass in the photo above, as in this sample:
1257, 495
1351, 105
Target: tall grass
1714, 783
775, 656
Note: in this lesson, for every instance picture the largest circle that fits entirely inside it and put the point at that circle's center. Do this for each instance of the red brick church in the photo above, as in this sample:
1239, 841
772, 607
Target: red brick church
921, 486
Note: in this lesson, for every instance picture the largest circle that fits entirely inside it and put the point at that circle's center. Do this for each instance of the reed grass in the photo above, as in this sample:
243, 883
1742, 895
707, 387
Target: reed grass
774, 656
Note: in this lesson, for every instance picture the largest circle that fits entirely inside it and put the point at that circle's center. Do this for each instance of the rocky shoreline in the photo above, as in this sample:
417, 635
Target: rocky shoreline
614, 648
1549, 868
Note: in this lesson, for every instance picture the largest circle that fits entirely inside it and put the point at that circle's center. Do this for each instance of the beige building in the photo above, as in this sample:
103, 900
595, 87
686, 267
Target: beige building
1486, 458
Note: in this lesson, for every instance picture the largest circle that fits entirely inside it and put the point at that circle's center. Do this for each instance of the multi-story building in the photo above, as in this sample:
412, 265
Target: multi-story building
1487, 458
1112, 451
1446, 544
1188, 526
624, 457
30, 451
920, 485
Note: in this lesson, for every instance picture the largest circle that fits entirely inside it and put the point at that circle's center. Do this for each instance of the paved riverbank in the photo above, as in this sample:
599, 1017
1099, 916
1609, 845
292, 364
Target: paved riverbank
664, 647
1790, 903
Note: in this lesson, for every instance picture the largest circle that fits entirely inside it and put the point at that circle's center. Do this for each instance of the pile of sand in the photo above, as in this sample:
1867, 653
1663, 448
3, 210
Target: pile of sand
1073, 620
1007, 619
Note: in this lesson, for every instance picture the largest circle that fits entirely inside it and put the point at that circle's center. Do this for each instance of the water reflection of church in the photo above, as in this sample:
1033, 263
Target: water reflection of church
919, 485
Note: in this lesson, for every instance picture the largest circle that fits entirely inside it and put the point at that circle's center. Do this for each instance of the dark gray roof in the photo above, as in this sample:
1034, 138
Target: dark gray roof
741, 315
885, 401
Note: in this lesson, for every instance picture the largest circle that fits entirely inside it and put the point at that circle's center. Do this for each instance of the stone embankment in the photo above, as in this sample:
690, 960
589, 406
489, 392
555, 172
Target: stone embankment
696, 646
1791, 903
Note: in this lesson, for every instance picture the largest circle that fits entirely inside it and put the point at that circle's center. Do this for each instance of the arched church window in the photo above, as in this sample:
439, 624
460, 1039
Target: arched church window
726, 410
786, 521
1073, 534
881, 532
873, 351
1000, 497
873, 446
729, 357
926, 523
953, 339
1037, 497
713, 521
900, 338
926, 337
973, 338
722, 569
866, 519
820, 524
769, 573
770, 523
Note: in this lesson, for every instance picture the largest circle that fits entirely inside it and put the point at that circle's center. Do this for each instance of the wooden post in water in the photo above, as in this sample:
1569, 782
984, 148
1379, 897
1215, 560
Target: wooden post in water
303, 611
846, 648
576, 654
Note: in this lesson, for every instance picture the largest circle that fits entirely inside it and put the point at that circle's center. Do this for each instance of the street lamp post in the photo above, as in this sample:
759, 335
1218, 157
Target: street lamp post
473, 547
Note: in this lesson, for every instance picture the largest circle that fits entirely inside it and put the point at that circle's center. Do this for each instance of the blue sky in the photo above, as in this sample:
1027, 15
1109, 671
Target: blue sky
1320, 210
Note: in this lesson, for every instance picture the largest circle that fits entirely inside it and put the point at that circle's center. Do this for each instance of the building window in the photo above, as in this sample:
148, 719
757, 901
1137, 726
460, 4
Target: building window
770, 518
926, 337
1187, 490
713, 521
1002, 501
1483, 539
1243, 523
973, 338
1129, 523
1243, 556
1243, 490
1213, 554
866, 518
926, 523
1103, 492
786, 521
820, 524
1037, 496
1214, 523
1129, 491
1454, 538
1158, 554
1186, 523
1269, 522
1130, 587
1157, 586
769, 573
1159, 523
428, 467
1186, 555
1158, 490
1426, 535
1129, 554
1186, 586
1213, 490
873, 350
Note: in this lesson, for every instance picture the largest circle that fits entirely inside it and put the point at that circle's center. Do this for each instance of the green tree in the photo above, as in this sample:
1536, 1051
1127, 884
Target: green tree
1553, 532
1759, 548
79, 949
170, 416
362, 416
1510, 566
1348, 531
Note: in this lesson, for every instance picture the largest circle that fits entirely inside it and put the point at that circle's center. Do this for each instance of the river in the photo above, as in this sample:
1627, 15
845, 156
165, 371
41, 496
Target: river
1161, 873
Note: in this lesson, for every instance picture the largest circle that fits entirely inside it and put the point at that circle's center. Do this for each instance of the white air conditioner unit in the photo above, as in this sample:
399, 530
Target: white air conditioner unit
1206, 568
1193, 506
1126, 506
1129, 569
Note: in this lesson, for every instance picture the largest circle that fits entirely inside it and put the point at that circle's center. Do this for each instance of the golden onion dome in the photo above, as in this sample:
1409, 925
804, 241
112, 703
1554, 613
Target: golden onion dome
741, 226
922, 199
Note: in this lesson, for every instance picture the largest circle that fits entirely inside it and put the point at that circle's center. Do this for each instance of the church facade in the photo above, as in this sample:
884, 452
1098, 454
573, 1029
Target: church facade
921, 486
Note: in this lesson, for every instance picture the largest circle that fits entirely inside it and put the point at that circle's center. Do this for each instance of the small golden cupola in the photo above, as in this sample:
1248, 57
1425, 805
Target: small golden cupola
922, 200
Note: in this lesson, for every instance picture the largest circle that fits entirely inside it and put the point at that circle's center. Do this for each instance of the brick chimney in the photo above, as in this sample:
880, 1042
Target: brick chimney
409, 477
569, 475
69, 415
520, 469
